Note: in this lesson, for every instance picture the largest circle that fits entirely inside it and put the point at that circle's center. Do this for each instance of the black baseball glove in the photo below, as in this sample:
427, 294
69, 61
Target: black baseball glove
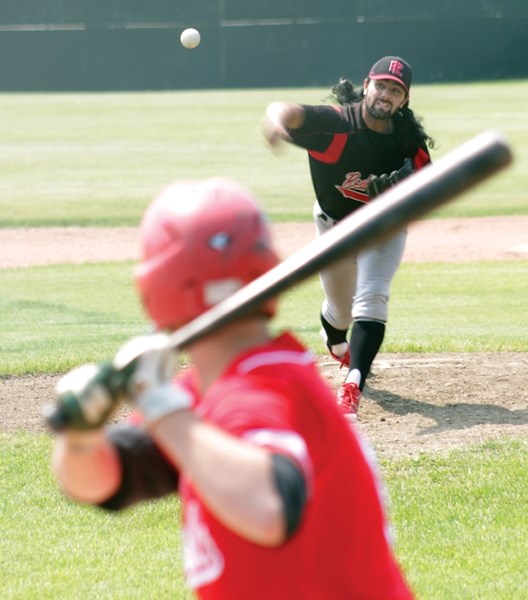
377, 184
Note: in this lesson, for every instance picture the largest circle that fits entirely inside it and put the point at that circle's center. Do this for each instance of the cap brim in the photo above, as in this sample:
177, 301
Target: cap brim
393, 79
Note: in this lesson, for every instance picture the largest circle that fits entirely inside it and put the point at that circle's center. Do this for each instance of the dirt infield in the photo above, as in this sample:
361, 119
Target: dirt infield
443, 240
412, 403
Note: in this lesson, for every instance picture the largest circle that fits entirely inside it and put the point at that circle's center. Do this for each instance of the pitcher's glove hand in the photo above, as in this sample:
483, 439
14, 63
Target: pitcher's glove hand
377, 184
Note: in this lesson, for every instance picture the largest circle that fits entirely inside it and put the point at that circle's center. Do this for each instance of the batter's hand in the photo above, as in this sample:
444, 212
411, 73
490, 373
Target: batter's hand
86, 397
377, 184
152, 363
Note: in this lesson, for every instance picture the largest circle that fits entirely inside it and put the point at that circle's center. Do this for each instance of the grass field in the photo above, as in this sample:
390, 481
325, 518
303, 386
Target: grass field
46, 307
84, 159
99, 158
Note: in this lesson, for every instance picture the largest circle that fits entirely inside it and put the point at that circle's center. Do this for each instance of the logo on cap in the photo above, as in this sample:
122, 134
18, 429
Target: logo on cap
396, 68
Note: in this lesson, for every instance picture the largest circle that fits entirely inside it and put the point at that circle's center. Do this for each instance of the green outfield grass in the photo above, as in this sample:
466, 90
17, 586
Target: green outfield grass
86, 313
51, 548
83, 314
460, 521
97, 159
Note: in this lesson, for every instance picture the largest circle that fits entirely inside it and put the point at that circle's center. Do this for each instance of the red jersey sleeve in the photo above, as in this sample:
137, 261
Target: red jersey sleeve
260, 414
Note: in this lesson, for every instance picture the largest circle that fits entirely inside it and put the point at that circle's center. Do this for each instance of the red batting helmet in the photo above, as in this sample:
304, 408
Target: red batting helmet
200, 242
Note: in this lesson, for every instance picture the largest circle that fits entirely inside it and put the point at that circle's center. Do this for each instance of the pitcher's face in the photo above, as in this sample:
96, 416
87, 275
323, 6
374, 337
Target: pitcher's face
383, 97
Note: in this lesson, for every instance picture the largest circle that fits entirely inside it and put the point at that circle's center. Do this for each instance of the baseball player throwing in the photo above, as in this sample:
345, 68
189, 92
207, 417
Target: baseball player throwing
365, 142
280, 500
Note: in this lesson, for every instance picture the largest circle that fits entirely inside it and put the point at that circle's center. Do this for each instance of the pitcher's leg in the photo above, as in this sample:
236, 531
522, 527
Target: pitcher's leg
376, 270
338, 282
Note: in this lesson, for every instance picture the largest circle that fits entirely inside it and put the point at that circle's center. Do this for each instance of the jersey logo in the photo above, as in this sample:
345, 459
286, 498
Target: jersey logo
354, 187
396, 68
204, 562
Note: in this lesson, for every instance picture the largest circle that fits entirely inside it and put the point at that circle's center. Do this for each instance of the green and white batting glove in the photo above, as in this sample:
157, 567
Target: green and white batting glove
152, 362
86, 397
140, 373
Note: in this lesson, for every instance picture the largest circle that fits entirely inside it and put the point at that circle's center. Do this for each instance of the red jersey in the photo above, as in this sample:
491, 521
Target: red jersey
274, 396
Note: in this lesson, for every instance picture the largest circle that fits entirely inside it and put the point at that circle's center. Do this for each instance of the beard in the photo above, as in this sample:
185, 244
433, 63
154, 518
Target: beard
378, 113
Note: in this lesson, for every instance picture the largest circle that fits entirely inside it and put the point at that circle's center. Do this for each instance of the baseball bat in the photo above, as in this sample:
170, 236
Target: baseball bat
415, 196
412, 198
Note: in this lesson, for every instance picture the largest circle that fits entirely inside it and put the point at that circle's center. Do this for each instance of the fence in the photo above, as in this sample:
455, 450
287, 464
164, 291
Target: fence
134, 44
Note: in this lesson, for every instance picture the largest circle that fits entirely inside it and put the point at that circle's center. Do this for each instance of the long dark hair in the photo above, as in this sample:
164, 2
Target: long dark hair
408, 127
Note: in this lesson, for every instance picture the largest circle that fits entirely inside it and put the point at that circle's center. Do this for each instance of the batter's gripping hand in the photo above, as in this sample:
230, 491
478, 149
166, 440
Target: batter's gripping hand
86, 397
377, 184
140, 373
152, 362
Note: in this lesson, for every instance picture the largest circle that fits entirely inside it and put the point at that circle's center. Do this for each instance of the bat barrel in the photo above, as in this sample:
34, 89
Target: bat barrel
419, 194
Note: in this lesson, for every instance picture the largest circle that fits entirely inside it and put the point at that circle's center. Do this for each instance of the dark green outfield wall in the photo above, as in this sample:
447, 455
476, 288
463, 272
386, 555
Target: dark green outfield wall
48, 45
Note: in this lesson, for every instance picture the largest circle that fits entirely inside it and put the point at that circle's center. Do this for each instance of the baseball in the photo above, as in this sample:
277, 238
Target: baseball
190, 38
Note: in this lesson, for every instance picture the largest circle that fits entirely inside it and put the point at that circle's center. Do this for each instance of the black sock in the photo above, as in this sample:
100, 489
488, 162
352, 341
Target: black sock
365, 342
335, 336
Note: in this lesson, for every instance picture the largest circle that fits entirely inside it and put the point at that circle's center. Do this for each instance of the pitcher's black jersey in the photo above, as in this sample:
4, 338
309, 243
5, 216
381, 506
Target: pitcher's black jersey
343, 152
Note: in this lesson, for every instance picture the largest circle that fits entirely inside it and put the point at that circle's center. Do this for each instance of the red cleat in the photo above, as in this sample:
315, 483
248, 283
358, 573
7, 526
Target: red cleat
348, 396
344, 361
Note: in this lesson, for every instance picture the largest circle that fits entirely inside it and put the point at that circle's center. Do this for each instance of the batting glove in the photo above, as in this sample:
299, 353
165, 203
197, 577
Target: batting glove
140, 373
152, 363
377, 184
86, 397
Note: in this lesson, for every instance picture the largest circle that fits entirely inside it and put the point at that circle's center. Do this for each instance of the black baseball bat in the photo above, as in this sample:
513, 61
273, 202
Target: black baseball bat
417, 195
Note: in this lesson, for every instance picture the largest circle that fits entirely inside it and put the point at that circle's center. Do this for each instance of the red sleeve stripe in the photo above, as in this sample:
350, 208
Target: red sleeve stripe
421, 158
332, 154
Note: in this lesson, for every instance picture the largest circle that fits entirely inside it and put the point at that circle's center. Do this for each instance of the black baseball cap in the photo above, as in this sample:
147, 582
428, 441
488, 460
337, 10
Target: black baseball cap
395, 68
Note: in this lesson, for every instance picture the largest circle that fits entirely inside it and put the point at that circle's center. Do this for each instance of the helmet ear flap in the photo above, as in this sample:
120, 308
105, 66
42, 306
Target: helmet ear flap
201, 241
